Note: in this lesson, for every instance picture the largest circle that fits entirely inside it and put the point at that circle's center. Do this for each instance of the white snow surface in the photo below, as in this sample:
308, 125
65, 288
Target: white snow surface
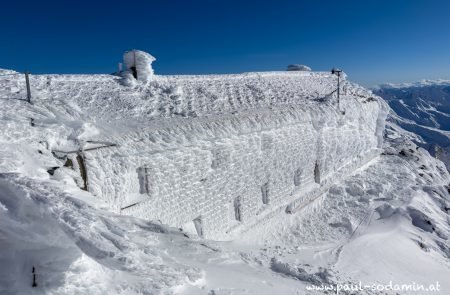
386, 220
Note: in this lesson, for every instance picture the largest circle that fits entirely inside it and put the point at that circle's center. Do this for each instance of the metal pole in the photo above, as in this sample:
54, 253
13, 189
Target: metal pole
27, 80
338, 90
135, 66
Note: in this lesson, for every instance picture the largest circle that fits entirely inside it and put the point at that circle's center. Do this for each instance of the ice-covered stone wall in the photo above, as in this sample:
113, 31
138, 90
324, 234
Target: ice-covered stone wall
220, 174
213, 154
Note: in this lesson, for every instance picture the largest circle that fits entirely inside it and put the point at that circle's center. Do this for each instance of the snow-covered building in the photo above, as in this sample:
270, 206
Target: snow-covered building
222, 153
212, 154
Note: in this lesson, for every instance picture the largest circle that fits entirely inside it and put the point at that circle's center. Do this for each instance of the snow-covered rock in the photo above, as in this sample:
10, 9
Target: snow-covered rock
7, 72
297, 67
139, 63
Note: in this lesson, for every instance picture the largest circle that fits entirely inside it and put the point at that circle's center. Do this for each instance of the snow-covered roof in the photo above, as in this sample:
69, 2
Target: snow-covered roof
188, 95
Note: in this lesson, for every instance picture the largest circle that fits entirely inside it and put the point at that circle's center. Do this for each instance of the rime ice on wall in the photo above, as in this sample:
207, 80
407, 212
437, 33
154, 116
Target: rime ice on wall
216, 154
140, 62
235, 171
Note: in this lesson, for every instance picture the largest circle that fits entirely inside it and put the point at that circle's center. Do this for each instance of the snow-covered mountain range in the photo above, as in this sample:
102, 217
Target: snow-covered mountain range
424, 109
385, 221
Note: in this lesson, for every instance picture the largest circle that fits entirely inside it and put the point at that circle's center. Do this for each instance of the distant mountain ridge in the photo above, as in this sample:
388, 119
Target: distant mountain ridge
423, 108
421, 83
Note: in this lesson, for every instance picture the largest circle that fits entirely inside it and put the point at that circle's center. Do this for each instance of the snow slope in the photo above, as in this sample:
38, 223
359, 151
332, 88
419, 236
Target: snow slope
388, 220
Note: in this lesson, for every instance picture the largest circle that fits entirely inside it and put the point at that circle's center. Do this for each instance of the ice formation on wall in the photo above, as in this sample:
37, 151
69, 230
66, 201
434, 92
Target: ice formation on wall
211, 154
229, 173
139, 63
240, 152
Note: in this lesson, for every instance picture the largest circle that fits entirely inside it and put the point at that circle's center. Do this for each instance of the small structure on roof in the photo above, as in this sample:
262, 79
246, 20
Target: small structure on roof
139, 64
297, 67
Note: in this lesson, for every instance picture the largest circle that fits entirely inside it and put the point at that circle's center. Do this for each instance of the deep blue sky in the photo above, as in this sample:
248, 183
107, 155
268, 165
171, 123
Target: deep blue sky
374, 41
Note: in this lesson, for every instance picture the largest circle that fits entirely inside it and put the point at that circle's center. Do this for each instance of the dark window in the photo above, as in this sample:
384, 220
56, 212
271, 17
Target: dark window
143, 173
265, 193
317, 173
198, 226
297, 176
237, 209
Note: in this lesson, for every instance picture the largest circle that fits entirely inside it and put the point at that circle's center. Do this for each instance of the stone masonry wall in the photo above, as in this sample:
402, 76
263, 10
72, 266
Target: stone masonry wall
230, 172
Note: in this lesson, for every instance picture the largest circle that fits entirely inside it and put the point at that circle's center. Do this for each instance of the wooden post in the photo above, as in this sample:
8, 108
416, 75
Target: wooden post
338, 72
34, 285
27, 80
83, 171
